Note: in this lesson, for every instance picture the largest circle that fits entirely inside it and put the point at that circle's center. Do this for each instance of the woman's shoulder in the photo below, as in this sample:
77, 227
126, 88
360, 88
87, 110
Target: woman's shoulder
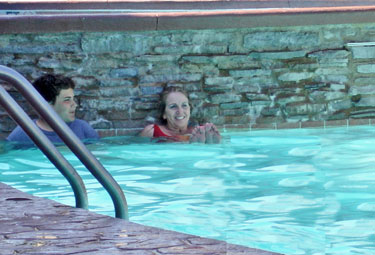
148, 131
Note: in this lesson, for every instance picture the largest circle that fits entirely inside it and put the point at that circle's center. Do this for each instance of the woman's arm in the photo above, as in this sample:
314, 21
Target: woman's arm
148, 131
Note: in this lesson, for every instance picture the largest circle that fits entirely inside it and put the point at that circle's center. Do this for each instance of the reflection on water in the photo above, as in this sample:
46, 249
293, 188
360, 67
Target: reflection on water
304, 191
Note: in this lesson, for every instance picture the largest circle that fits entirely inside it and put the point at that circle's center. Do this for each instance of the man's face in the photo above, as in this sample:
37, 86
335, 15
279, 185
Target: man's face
65, 105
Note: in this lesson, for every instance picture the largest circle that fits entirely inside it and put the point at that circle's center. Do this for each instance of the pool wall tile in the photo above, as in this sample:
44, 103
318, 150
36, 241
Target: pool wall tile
357, 122
336, 123
312, 124
288, 125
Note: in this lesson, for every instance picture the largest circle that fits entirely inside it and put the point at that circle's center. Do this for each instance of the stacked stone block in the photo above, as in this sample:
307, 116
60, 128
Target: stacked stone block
257, 76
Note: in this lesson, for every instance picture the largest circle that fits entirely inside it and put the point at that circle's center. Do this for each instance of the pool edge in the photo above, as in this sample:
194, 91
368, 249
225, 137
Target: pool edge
34, 224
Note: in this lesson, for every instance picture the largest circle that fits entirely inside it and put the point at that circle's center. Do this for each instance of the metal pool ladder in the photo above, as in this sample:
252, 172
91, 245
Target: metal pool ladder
66, 135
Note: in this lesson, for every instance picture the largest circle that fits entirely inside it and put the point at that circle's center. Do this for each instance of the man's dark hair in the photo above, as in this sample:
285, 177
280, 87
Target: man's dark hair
49, 86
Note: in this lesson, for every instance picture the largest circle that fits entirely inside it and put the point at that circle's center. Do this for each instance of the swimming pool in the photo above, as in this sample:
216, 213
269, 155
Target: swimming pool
301, 191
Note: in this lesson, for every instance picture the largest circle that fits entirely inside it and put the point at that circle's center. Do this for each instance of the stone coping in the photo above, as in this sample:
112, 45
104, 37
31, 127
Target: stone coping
175, 4
33, 225
171, 19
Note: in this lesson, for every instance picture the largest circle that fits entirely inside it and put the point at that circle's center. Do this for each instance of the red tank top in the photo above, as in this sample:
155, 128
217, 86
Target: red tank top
177, 138
158, 132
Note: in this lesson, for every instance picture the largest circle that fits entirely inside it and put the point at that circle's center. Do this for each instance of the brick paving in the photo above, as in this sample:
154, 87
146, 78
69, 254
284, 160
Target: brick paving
37, 226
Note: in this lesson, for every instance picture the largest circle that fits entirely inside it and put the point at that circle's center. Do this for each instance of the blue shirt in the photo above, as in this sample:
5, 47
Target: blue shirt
80, 128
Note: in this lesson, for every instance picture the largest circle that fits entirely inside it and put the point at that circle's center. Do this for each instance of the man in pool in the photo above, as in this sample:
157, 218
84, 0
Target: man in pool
58, 91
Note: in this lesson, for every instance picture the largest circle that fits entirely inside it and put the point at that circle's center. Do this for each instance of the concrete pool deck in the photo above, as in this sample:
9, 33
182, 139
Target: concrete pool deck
34, 225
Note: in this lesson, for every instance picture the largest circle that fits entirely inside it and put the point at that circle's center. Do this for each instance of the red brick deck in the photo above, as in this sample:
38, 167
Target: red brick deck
37, 226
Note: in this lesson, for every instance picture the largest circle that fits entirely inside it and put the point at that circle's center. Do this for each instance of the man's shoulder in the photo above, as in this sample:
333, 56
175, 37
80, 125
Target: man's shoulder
18, 135
79, 122
83, 127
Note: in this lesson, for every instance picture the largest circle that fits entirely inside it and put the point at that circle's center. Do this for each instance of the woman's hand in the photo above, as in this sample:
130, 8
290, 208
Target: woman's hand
206, 133
212, 134
198, 135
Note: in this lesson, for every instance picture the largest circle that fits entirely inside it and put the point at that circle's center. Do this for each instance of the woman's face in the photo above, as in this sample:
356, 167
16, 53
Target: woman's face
177, 111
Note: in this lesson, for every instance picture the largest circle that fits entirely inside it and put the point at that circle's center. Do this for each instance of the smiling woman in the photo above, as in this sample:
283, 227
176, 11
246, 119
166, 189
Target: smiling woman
175, 122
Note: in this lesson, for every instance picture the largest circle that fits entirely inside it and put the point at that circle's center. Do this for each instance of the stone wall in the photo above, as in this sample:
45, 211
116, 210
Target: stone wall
254, 76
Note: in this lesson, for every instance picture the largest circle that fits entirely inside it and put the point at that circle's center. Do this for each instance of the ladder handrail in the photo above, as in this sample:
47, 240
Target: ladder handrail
69, 138
46, 146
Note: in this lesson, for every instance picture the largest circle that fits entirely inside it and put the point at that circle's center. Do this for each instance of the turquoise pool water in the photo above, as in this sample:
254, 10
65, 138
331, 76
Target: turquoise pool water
303, 191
